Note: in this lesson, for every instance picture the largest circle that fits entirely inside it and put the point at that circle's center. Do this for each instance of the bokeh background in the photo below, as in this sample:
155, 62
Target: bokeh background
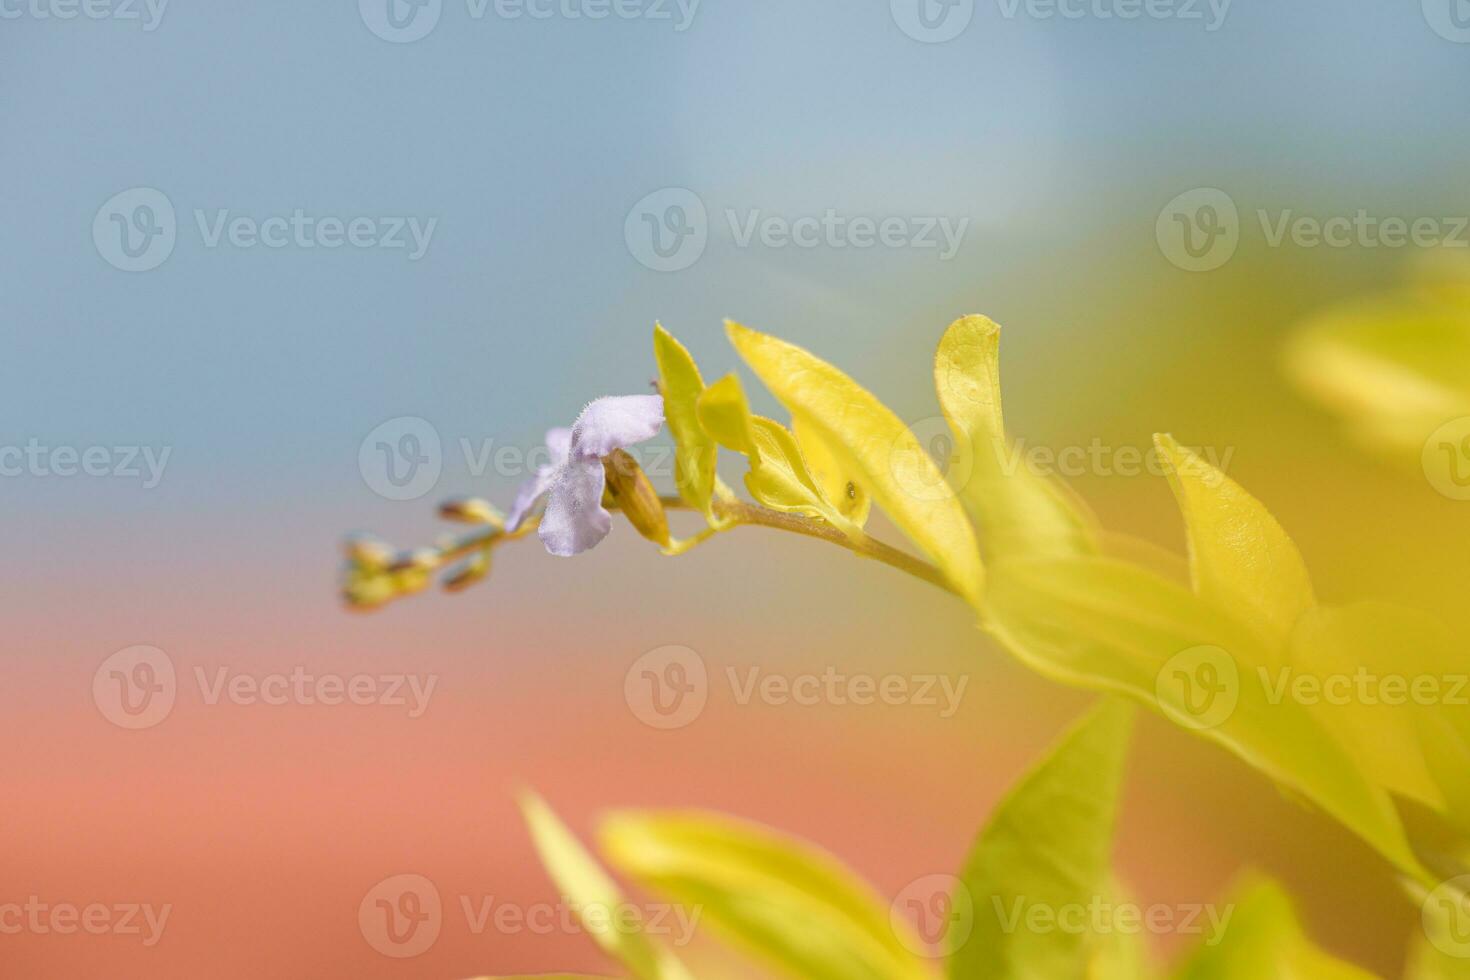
1060, 140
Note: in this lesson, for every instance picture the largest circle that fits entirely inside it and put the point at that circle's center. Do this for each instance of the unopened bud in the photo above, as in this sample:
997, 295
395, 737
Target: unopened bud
413, 570
364, 591
468, 572
471, 510
367, 551
629, 488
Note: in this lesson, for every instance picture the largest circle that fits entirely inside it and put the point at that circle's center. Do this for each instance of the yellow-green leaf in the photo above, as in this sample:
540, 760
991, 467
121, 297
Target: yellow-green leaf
1109, 625
778, 476
1046, 849
1264, 941
695, 451
1020, 512
839, 485
1240, 557
784, 901
1350, 663
586, 885
873, 445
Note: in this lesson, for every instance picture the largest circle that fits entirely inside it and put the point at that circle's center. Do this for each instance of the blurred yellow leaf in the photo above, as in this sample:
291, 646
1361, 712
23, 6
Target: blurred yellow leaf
1394, 367
1264, 941
1240, 557
1108, 625
585, 885
1046, 848
1020, 512
784, 901
872, 444
695, 451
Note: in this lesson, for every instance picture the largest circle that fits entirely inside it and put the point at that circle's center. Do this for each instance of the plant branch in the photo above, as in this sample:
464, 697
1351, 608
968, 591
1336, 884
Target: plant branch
738, 512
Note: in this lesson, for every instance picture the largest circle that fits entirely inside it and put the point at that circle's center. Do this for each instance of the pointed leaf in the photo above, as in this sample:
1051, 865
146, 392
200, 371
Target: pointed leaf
793, 906
1240, 557
585, 884
1047, 845
1108, 625
871, 443
1263, 941
694, 457
778, 476
1020, 512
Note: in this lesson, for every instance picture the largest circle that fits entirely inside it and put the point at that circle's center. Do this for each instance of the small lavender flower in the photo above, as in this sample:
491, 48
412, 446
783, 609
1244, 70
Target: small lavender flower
572, 483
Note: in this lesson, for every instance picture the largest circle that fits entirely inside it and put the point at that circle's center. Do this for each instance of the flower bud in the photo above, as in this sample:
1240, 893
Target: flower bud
629, 488
413, 570
367, 551
471, 510
468, 572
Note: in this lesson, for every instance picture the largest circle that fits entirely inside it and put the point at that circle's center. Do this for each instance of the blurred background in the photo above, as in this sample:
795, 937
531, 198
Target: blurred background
247, 242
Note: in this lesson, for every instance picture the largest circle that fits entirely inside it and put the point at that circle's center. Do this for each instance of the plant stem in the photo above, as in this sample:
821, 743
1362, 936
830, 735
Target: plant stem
738, 512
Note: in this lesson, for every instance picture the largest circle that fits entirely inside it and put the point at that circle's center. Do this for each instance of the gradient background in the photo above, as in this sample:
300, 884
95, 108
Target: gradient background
529, 140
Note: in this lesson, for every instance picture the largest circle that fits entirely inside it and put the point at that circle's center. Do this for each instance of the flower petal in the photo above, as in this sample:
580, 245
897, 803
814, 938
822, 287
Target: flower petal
575, 519
616, 422
558, 445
